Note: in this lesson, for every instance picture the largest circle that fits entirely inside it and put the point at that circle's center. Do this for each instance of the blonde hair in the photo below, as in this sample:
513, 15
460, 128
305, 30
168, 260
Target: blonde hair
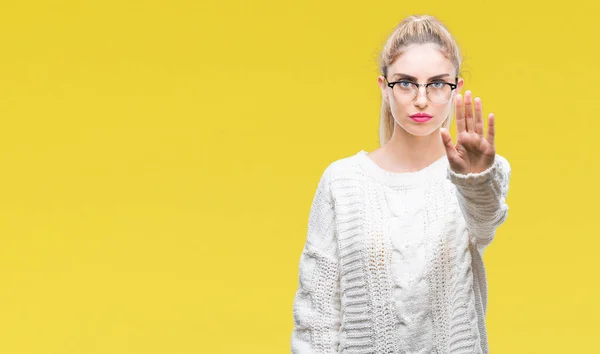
416, 29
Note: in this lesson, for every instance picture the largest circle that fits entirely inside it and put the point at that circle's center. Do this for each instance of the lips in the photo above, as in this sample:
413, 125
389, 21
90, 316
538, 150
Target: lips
421, 117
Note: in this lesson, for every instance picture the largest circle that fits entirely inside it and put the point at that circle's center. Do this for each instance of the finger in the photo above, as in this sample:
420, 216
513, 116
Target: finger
447, 140
491, 133
469, 112
460, 114
478, 117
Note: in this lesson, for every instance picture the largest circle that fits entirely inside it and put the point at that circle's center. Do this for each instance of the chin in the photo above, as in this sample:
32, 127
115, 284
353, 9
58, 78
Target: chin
421, 129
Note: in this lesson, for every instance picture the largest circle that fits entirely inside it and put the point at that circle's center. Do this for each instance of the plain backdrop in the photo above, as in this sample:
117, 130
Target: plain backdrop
159, 159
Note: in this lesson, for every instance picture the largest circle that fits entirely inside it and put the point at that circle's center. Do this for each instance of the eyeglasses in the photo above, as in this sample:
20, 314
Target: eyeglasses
437, 92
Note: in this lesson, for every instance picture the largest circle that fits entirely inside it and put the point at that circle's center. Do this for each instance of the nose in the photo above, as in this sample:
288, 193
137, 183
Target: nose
421, 99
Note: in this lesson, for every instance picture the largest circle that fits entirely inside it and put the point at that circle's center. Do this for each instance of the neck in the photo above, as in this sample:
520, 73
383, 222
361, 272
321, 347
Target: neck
412, 153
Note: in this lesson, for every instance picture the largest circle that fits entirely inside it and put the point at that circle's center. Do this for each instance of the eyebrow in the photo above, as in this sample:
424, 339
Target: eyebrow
401, 75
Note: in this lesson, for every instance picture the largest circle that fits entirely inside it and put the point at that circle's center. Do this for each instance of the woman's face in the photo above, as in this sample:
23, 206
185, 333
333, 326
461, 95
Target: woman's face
419, 63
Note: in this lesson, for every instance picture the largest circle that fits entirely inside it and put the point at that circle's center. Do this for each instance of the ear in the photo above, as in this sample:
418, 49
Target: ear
382, 87
460, 84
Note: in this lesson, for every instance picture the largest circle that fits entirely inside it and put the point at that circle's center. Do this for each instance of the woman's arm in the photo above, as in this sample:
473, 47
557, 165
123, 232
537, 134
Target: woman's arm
480, 175
317, 301
482, 198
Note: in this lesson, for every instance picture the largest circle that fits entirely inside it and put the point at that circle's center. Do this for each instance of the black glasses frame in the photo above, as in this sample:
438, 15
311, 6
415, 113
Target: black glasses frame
391, 84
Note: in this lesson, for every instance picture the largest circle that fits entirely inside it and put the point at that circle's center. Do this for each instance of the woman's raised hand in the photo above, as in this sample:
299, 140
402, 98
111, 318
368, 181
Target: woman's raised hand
473, 153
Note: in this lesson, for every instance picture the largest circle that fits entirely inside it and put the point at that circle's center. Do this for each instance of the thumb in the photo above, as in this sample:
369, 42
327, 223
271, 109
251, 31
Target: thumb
447, 140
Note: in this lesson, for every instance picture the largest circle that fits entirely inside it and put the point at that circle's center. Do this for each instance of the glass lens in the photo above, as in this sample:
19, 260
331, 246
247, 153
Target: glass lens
439, 92
405, 91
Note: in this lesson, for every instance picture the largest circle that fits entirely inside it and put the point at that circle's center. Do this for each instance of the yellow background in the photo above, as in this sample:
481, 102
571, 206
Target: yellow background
159, 159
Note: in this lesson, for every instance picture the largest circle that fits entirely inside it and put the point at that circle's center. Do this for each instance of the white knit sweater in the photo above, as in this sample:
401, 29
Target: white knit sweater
393, 261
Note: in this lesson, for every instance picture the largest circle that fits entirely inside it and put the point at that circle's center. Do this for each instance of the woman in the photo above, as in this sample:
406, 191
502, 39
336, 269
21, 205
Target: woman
393, 257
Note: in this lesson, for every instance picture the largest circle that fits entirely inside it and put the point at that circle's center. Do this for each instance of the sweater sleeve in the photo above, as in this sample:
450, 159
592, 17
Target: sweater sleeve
317, 302
482, 199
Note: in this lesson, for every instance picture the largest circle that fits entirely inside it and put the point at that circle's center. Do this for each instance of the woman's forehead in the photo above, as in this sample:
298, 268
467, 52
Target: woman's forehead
422, 62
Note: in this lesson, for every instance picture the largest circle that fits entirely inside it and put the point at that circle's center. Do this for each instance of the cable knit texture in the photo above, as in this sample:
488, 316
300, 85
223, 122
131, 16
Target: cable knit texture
393, 262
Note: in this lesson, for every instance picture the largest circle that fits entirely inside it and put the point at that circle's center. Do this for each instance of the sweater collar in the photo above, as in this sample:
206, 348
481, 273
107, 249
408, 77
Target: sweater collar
435, 170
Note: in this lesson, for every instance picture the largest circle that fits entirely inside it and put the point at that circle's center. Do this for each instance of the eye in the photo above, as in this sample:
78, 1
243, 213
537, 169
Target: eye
438, 84
404, 84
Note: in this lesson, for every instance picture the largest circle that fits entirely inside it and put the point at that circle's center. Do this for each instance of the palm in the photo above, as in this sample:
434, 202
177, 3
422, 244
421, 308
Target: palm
473, 153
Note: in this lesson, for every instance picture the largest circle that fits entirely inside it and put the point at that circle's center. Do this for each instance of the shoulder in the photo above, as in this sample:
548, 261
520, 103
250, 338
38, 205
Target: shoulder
343, 168
342, 175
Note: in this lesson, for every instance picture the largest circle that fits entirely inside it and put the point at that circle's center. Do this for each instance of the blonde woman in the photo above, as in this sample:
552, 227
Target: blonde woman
393, 259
